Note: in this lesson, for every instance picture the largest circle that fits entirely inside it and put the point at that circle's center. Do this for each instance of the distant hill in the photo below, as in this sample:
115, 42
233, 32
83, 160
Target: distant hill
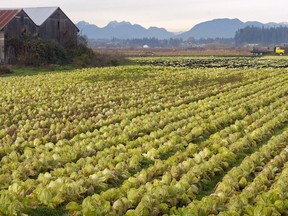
122, 30
217, 28
221, 28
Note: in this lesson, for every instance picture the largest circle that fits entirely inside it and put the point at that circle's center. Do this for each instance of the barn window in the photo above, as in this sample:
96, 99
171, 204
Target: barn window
58, 24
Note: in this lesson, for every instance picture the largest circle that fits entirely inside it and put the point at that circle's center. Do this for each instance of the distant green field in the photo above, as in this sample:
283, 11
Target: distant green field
174, 136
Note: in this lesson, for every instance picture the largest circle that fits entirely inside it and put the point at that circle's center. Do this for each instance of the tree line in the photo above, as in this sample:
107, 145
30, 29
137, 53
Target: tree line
247, 35
156, 43
264, 36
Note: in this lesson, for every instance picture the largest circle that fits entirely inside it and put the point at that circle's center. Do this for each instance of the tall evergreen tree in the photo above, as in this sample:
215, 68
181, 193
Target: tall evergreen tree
263, 36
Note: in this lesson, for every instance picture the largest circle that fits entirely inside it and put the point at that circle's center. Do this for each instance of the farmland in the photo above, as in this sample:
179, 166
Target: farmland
175, 136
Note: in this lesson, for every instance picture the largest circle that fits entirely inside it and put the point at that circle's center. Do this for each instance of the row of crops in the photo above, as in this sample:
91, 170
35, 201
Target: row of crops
145, 140
216, 62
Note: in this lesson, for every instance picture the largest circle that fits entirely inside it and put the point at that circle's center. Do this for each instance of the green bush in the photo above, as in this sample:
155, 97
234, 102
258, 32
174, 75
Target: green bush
37, 52
104, 59
5, 70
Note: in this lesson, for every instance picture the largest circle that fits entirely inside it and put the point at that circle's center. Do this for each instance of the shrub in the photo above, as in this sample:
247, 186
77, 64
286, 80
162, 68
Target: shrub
5, 70
104, 59
37, 52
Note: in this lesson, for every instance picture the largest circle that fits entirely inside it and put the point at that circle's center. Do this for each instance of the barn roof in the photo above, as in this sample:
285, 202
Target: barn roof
6, 15
40, 14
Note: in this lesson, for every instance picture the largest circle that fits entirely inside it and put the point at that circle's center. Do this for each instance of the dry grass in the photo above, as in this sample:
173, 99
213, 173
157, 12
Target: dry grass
177, 52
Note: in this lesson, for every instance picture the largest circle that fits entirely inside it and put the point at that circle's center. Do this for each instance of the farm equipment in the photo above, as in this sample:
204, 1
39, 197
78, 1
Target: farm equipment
277, 50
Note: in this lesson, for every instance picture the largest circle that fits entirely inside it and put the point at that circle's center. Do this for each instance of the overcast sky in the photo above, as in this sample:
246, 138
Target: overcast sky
174, 15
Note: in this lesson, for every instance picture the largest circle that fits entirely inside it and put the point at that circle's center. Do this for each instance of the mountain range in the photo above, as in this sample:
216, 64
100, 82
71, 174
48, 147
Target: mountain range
216, 28
122, 30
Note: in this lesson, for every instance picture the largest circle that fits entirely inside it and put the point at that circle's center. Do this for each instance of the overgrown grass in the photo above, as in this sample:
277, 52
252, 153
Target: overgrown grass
100, 60
29, 71
5, 70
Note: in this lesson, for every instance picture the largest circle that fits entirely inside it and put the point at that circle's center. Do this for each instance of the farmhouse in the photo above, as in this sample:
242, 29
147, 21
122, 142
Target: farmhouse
47, 23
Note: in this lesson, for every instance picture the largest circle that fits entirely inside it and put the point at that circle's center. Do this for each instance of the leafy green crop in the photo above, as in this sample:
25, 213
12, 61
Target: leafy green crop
146, 140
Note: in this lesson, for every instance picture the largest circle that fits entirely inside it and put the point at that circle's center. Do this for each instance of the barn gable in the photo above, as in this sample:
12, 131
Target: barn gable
6, 16
40, 14
53, 24
13, 23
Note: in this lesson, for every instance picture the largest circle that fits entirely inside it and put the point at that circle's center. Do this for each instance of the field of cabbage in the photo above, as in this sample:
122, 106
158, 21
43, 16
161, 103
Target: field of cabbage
159, 138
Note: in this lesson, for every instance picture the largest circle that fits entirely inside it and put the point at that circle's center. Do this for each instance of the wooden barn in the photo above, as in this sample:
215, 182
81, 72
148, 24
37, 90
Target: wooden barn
14, 23
47, 23
53, 24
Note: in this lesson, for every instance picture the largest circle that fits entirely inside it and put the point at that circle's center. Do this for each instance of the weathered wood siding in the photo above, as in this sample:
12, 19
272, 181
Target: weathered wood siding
2, 53
21, 25
58, 27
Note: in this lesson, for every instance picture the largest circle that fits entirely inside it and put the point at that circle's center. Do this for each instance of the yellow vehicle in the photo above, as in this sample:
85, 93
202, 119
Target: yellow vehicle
276, 50
279, 51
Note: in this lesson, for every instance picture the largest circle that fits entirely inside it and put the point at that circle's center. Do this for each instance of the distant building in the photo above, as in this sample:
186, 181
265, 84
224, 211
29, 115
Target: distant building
47, 23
